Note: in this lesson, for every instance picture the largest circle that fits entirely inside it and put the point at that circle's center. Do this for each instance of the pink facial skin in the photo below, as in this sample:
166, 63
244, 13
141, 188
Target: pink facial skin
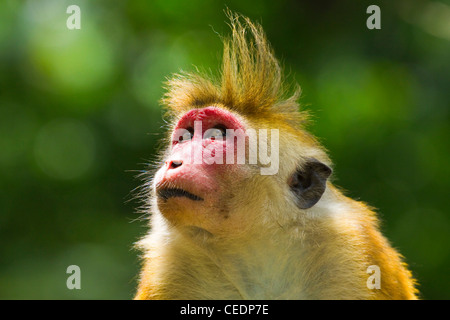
203, 179
210, 117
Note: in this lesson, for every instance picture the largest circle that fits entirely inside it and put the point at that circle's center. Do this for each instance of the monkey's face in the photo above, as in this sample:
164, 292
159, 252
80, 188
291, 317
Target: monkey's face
204, 172
217, 175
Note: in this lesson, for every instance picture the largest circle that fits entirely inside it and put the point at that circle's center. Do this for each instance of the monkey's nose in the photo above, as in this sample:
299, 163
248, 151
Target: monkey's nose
172, 164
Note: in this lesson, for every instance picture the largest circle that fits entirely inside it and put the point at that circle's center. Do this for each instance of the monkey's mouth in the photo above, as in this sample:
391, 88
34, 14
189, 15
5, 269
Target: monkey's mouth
167, 193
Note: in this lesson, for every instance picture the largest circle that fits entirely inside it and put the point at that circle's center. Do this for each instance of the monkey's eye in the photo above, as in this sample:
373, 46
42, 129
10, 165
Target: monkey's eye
215, 133
186, 136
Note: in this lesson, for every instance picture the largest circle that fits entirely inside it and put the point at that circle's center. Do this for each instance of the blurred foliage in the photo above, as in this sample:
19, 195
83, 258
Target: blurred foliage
79, 118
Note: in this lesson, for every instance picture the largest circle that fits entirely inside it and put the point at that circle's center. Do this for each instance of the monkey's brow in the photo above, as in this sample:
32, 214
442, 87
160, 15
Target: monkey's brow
210, 116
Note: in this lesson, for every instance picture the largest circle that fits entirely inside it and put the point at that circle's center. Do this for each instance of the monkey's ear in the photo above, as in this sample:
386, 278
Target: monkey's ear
309, 183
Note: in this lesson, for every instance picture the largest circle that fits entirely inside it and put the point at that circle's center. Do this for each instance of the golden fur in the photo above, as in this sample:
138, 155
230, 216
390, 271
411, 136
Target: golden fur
279, 251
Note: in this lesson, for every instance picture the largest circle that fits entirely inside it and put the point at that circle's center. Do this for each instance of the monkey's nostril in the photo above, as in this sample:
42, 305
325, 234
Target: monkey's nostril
172, 164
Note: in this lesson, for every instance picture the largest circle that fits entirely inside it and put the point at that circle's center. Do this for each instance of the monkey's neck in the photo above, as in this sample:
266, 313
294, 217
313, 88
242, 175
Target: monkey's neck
323, 255
261, 267
301, 260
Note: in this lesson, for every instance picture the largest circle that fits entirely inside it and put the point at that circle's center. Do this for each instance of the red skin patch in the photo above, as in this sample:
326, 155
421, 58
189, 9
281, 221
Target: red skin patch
201, 177
210, 117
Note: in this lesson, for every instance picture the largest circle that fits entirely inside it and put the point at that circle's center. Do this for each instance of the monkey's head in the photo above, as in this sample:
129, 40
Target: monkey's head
237, 156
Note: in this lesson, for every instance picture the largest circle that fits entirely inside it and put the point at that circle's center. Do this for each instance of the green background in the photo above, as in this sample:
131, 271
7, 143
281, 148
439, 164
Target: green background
80, 119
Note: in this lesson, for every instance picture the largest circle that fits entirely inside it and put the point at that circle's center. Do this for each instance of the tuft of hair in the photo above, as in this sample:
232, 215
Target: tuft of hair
250, 82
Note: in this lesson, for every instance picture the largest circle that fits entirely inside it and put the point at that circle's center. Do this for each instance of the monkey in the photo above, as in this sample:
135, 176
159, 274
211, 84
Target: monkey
226, 229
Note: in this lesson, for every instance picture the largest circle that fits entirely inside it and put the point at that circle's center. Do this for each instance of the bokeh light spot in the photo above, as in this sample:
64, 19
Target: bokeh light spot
65, 149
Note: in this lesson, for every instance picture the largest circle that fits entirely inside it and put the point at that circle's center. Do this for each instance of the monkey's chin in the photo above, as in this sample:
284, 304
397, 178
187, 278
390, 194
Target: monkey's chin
177, 201
178, 204
190, 217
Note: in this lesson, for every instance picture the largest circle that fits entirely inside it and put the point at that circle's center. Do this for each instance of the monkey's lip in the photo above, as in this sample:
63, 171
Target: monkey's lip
166, 193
